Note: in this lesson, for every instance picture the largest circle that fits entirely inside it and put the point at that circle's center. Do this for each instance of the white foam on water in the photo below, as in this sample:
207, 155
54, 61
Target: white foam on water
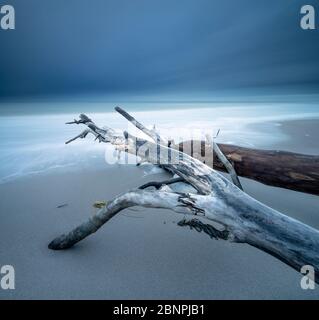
34, 144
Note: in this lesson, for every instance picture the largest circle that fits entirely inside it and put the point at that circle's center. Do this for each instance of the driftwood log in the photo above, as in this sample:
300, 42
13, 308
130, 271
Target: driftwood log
198, 190
294, 171
282, 169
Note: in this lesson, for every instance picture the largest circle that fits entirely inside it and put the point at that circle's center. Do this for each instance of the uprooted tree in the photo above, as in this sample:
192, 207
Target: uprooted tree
222, 208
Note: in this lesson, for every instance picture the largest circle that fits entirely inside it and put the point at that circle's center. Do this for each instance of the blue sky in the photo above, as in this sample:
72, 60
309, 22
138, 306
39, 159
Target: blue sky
164, 48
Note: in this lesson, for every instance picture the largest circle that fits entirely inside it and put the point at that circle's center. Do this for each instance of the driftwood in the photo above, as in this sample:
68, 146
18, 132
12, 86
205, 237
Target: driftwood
229, 213
282, 169
215, 150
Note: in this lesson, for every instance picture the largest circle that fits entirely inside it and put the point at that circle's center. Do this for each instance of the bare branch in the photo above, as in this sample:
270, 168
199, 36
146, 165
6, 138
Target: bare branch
230, 169
143, 198
151, 133
82, 135
160, 184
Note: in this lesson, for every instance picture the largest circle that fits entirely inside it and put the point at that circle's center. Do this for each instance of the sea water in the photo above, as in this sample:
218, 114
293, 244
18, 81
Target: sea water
34, 143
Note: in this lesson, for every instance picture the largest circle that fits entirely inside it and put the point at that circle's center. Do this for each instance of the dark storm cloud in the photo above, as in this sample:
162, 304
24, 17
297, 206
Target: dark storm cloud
139, 46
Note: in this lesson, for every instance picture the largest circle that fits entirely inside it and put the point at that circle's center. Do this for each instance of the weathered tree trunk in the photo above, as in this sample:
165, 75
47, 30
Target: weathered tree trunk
202, 192
282, 169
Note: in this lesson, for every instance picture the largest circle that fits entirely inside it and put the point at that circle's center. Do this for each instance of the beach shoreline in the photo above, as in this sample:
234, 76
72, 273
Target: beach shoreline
141, 254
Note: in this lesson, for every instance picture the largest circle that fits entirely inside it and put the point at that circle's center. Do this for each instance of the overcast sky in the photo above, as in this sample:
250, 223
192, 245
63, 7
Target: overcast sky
145, 47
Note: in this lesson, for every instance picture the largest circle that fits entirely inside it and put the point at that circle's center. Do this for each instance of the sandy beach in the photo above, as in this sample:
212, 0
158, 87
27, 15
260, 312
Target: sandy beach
303, 136
81, 78
141, 253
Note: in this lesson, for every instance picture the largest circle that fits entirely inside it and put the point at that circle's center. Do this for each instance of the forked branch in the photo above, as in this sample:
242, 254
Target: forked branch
213, 197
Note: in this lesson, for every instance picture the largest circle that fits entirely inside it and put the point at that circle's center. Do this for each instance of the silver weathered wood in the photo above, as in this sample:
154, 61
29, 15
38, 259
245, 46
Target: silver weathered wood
230, 169
206, 194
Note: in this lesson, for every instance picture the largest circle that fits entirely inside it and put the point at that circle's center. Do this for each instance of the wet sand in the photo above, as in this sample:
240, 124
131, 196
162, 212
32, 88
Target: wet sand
303, 136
